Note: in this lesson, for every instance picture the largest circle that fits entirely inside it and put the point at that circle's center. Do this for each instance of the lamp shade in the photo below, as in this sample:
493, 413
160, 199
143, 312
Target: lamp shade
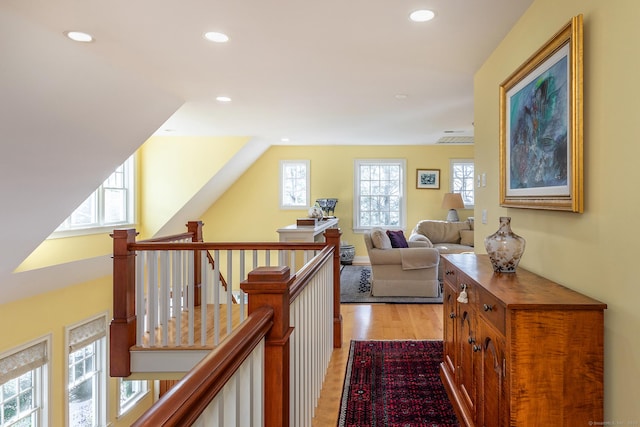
452, 201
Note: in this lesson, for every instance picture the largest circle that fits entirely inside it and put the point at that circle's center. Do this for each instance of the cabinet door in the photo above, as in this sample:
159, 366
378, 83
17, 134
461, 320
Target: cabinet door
466, 357
449, 327
492, 411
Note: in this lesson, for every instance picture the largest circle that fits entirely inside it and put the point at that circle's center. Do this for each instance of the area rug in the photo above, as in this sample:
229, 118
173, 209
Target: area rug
395, 384
355, 287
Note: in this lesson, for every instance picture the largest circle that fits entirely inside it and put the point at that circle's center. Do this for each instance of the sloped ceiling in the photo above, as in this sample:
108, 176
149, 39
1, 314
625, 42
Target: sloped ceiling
331, 72
67, 119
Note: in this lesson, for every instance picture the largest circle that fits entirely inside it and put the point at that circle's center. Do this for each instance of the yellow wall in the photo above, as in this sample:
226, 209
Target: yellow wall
249, 210
50, 313
169, 175
590, 252
174, 170
62, 250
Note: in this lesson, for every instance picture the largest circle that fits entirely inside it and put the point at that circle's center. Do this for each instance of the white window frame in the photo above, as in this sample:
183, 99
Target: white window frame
91, 332
125, 404
402, 186
101, 225
456, 187
303, 204
31, 358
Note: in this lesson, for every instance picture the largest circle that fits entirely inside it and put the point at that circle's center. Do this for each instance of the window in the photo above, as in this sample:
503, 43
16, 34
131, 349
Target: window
23, 386
379, 190
111, 204
294, 184
462, 180
87, 380
131, 391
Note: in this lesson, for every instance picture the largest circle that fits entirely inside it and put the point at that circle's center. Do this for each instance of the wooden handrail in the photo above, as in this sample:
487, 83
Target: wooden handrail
195, 246
194, 233
186, 401
168, 239
307, 271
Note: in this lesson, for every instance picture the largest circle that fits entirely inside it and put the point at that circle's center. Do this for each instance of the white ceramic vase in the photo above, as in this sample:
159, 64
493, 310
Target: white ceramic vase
505, 248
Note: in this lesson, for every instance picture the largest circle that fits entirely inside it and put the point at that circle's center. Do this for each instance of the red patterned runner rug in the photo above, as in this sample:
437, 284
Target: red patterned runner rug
395, 384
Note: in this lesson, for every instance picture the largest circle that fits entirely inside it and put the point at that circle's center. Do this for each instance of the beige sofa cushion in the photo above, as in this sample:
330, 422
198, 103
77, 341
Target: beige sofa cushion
466, 237
442, 231
380, 239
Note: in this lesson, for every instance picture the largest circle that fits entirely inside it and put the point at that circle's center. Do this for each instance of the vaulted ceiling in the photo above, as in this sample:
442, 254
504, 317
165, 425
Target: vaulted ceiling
297, 72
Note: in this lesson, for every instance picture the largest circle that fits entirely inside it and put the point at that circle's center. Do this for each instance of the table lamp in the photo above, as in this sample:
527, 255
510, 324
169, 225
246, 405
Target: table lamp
452, 201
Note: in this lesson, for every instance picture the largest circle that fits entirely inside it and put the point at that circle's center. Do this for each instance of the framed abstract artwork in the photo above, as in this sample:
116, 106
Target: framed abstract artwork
428, 178
541, 151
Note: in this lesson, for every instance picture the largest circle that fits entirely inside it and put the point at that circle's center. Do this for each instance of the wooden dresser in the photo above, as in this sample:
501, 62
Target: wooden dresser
523, 351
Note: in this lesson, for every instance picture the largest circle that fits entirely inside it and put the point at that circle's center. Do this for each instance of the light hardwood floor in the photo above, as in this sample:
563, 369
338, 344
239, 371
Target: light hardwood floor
373, 322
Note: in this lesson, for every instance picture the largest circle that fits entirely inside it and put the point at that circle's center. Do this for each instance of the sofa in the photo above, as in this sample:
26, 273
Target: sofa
410, 271
445, 236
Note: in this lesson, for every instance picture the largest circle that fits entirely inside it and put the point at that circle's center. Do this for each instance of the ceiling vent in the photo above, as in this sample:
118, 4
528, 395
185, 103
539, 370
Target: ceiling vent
455, 140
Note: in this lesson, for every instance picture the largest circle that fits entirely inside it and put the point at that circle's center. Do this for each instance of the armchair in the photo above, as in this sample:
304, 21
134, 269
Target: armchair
410, 271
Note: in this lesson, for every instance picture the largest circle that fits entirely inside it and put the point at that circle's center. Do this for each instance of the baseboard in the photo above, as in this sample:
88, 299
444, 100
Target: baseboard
361, 260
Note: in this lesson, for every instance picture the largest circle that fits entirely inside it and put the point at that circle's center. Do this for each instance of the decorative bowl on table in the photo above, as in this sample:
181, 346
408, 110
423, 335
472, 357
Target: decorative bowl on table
327, 205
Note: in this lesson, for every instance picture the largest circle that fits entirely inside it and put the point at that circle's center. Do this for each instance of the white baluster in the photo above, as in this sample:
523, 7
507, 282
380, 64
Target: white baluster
204, 282
141, 297
216, 297
176, 299
152, 297
190, 299
229, 302
164, 297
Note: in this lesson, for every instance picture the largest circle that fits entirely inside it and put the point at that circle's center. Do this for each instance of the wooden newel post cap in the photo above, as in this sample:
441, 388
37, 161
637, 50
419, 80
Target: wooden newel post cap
267, 280
269, 274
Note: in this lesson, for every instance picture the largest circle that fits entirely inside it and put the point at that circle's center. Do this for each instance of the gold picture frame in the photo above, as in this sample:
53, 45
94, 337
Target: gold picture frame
541, 148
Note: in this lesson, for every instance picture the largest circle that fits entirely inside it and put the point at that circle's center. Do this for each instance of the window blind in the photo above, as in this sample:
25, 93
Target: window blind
23, 361
86, 333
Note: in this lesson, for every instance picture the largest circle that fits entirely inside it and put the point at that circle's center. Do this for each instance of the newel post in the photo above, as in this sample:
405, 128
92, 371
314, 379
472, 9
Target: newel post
269, 286
332, 237
123, 325
195, 227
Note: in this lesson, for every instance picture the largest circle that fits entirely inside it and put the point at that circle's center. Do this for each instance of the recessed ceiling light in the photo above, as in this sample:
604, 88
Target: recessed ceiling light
223, 99
423, 15
216, 37
402, 96
79, 36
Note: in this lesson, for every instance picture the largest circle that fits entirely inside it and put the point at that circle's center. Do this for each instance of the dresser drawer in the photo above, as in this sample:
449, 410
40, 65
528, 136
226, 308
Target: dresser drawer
491, 309
449, 272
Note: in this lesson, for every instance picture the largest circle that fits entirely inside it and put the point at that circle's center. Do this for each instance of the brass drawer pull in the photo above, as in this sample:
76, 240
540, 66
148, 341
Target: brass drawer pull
487, 307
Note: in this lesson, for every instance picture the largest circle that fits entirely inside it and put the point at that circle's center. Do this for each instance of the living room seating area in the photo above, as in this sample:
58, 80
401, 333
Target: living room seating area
411, 267
402, 268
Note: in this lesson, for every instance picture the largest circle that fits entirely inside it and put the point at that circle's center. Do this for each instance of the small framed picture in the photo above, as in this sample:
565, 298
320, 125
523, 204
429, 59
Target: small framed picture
428, 178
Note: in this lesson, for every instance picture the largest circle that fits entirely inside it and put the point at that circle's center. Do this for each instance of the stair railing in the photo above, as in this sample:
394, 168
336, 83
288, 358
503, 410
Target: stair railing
293, 357
165, 289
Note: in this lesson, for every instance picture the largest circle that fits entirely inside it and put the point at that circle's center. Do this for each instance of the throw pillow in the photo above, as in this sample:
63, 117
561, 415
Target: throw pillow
466, 237
380, 239
397, 239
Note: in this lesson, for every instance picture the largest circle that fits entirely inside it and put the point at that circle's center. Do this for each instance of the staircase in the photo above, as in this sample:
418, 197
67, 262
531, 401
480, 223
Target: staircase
275, 329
